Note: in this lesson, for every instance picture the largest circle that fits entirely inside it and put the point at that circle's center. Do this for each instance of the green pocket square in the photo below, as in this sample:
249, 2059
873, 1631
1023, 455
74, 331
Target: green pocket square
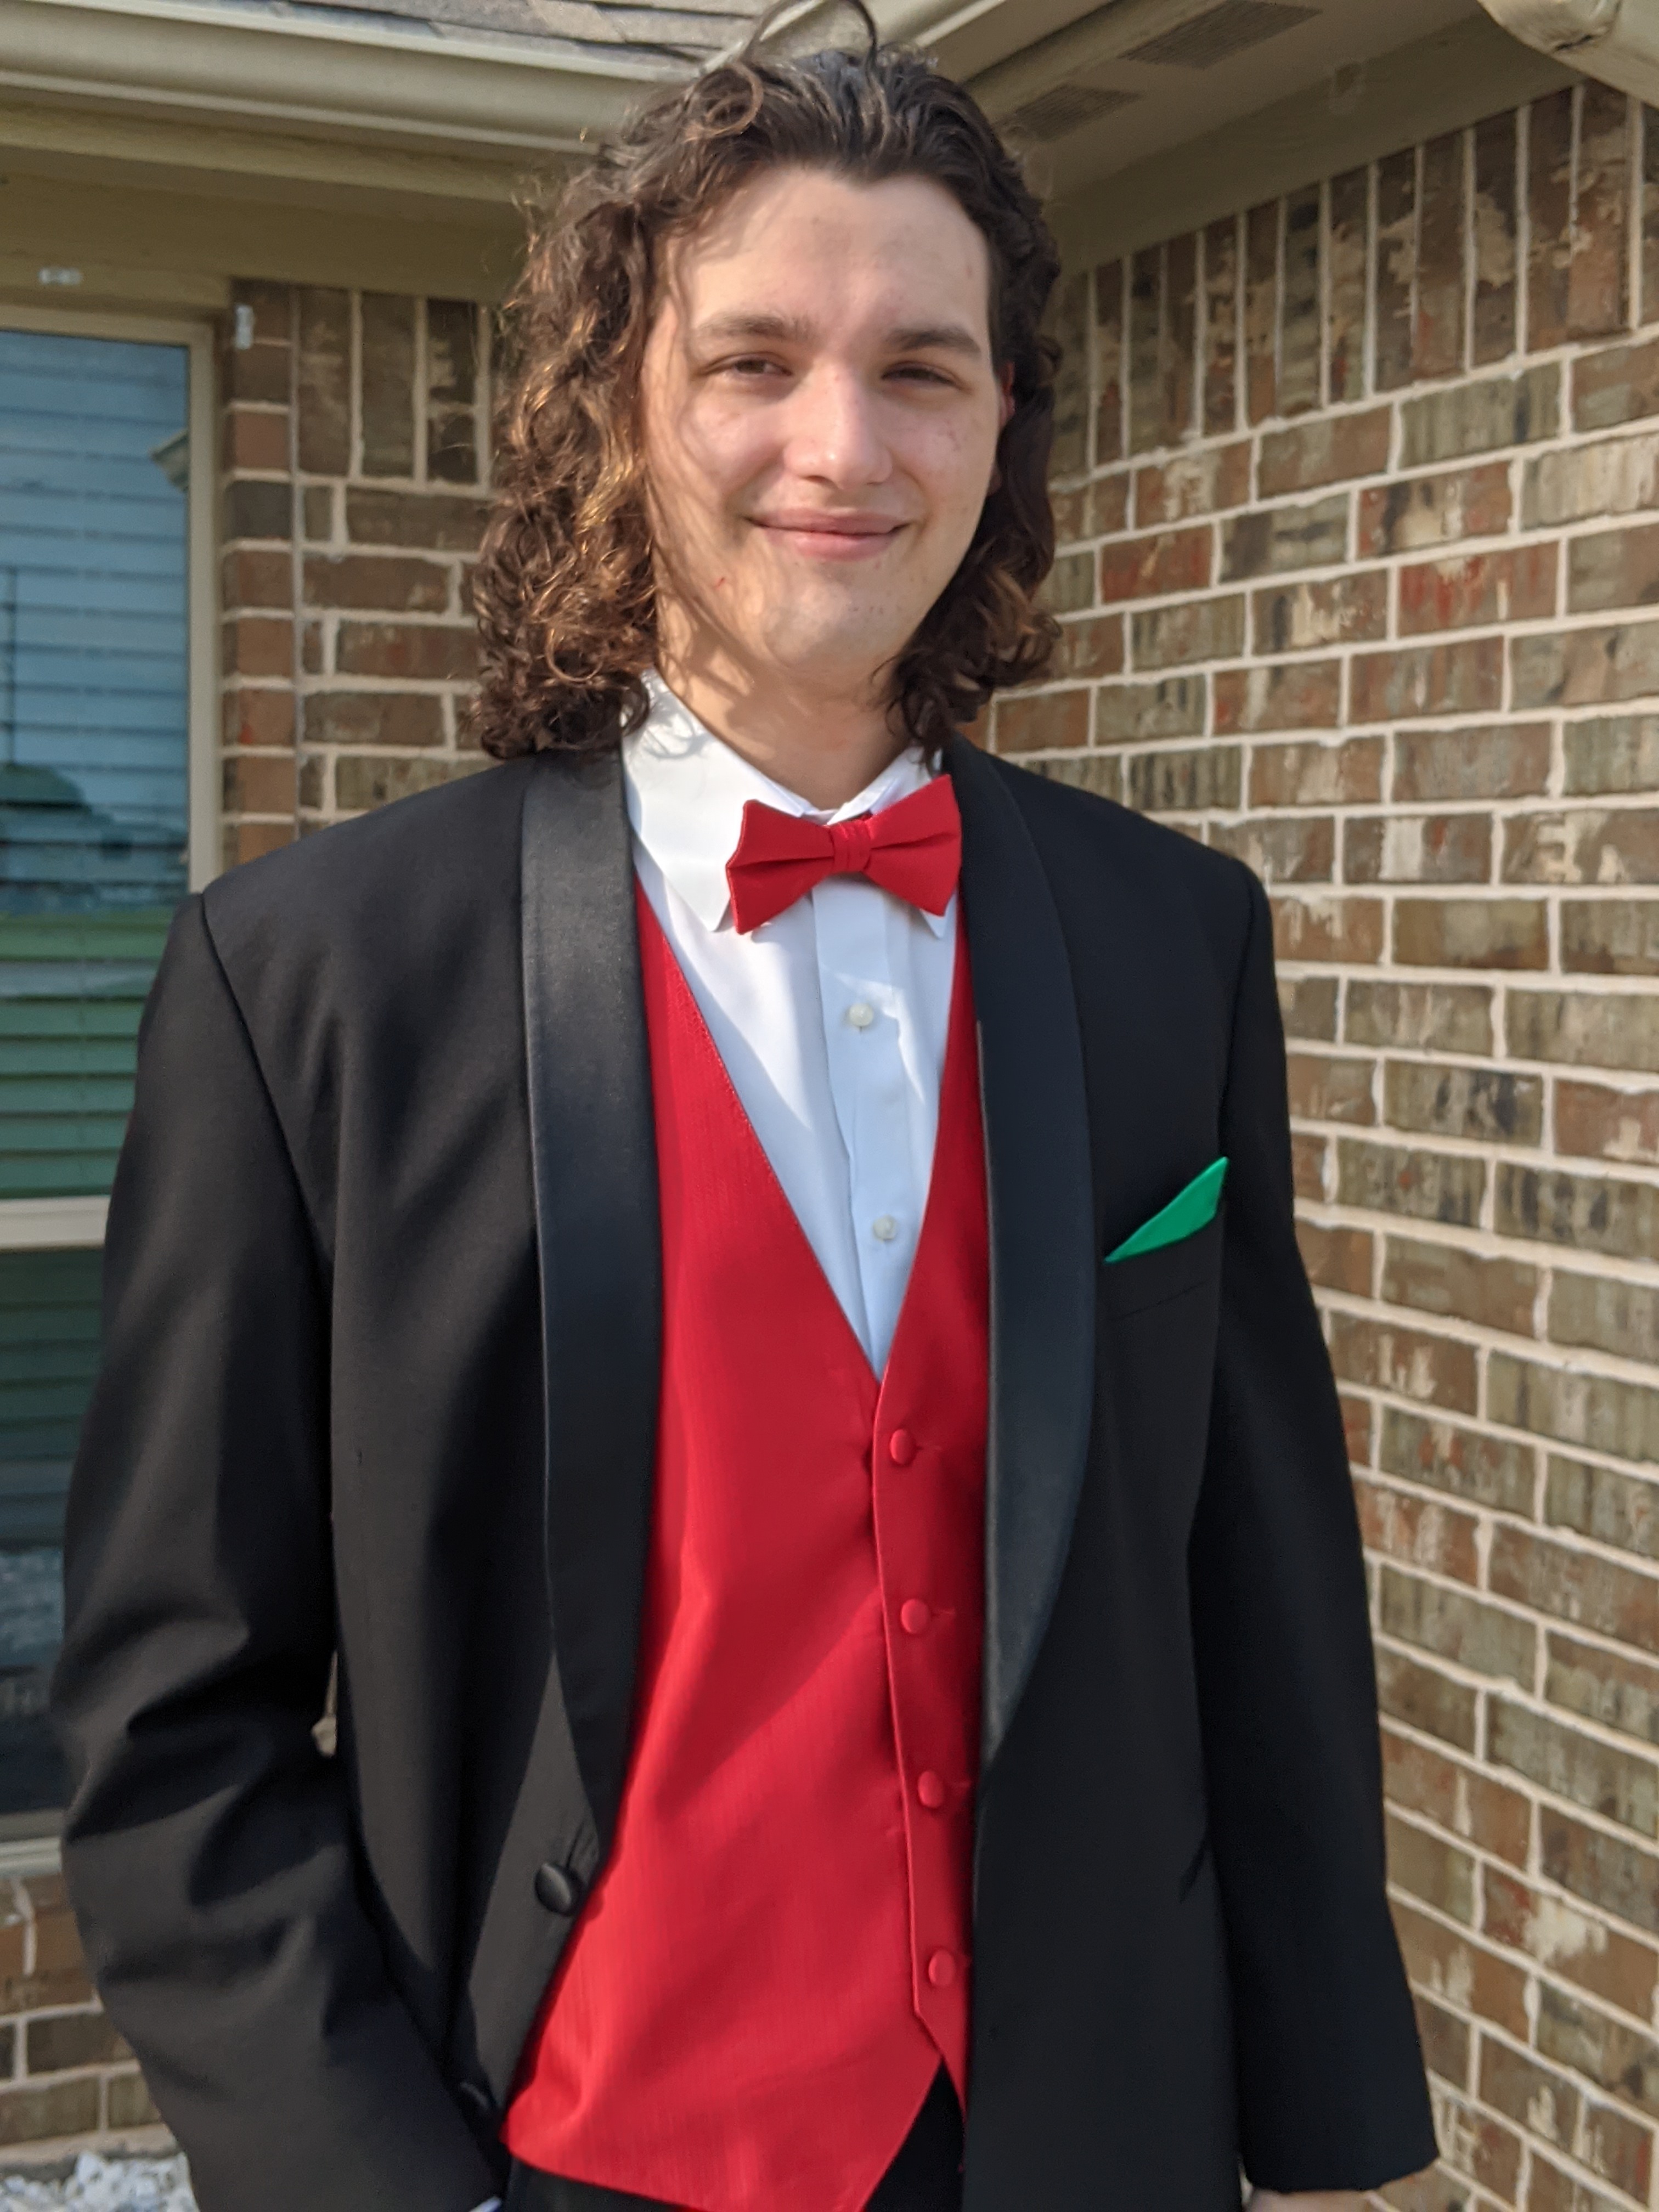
1187, 1213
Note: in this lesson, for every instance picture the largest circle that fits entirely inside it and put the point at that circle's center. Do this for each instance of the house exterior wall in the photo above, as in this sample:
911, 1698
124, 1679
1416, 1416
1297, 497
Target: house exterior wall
1358, 497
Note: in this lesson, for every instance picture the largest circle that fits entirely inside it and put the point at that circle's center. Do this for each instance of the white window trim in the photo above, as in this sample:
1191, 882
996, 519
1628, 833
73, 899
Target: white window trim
55, 1224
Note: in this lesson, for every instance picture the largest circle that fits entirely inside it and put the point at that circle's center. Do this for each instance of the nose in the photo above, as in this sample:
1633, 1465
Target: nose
834, 431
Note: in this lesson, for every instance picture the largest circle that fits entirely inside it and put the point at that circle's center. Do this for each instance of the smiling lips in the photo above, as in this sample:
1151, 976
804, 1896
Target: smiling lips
832, 537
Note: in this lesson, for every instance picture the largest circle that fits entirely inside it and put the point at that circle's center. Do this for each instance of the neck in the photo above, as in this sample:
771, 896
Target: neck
814, 740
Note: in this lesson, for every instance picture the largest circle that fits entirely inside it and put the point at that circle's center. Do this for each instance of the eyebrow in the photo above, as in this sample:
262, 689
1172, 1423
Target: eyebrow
790, 329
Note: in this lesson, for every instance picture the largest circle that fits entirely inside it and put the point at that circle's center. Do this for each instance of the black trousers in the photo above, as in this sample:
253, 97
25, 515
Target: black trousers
924, 2177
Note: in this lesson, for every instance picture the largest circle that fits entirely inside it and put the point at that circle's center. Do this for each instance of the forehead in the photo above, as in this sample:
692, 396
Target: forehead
811, 248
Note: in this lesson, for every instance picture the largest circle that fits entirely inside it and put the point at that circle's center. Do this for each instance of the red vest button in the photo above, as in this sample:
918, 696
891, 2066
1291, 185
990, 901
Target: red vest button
941, 1970
931, 1791
901, 1447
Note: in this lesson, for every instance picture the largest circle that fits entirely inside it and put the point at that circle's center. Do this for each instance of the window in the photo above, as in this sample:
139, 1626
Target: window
104, 668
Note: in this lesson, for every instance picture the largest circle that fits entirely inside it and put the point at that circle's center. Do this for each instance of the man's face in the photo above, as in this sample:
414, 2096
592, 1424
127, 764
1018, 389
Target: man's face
820, 413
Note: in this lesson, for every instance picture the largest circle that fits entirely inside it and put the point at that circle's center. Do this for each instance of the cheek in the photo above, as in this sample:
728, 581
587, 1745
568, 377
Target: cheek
953, 461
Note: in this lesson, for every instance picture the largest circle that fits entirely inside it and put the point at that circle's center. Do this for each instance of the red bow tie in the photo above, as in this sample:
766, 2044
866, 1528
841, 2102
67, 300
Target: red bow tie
913, 850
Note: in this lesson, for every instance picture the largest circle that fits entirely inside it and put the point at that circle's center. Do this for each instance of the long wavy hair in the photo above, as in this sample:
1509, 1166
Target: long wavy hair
566, 588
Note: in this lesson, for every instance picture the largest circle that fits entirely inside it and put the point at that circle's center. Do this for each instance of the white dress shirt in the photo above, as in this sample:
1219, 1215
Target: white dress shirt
830, 1020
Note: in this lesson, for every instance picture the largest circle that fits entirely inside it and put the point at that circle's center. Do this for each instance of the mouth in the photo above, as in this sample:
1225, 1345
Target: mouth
832, 537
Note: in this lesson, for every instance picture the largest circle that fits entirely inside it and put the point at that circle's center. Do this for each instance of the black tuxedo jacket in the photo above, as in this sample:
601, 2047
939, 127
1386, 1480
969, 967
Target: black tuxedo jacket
380, 1376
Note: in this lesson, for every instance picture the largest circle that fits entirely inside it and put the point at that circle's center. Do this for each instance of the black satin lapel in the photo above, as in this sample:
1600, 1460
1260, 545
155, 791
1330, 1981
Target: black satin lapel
594, 1149
1042, 1222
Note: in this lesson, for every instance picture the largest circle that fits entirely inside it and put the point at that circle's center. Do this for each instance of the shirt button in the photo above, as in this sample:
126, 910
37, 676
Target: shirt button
901, 1447
914, 1616
883, 1228
860, 1013
941, 1970
931, 1791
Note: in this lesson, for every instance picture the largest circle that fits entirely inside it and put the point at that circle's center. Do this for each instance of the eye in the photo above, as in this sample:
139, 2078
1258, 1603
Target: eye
749, 365
921, 371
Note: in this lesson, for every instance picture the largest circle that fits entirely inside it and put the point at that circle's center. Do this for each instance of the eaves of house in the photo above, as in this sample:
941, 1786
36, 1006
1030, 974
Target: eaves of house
149, 146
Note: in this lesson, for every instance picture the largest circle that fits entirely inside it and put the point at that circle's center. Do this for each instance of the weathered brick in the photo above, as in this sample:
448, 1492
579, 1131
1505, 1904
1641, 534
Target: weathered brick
1323, 1088
367, 779
1101, 773
1480, 415
1144, 568
1330, 450
388, 385
1444, 1187
1344, 256
1596, 1412
1606, 1871
1549, 195
378, 582
1309, 1158
1480, 2146
255, 508
1486, 1105
1420, 1017
1591, 1214
1598, 269
1543, 2103
1092, 648
1617, 2058
1447, 1279
374, 718
256, 576
1187, 485
1465, 678
1175, 706
324, 375
1584, 845
1494, 229
1261, 311
1505, 761
1188, 629
1618, 753
432, 652
258, 783
59, 2108
1426, 1699
1284, 694
1283, 849
1412, 513
1567, 1942
257, 644
1488, 1470
1416, 848
1307, 775
1428, 1867
1584, 1028
56, 2042
1335, 1259
1070, 584
1110, 375
1219, 395
1437, 1371
263, 373
1446, 2042
1068, 505
1484, 1811
1619, 384
1348, 930
1619, 1786
1268, 540
1464, 589
1614, 937
1606, 1315
252, 840
1593, 1122
451, 385
1038, 722
1146, 340
1505, 933
1618, 1692
1462, 1973
130, 2103
1184, 782
257, 716
1356, 1428
317, 511
1614, 1507
1437, 332
441, 522
1307, 1005
1299, 347
1419, 1532
1617, 476
255, 438
1613, 568
1397, 261
1336, 610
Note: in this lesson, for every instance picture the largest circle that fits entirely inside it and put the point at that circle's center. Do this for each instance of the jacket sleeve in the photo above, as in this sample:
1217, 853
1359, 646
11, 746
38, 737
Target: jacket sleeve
1332, 2094
208, 1845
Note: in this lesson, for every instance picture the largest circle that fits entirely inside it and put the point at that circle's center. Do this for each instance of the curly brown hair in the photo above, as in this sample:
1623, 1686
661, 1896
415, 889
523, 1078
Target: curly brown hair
565, 590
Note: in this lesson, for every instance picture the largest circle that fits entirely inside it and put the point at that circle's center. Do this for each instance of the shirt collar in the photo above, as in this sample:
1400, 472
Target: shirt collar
687, 790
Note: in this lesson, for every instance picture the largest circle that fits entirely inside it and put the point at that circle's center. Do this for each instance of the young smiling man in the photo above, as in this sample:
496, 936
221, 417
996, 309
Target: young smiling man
735, 1275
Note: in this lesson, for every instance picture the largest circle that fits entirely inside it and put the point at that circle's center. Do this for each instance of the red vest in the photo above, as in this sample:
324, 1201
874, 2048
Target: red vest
774, 1960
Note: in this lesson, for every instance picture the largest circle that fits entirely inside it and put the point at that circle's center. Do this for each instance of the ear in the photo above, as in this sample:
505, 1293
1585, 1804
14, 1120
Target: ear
1005, 392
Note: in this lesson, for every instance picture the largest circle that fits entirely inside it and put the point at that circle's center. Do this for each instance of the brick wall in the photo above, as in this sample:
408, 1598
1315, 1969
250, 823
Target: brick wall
64, 2073
1359, 502
355, 436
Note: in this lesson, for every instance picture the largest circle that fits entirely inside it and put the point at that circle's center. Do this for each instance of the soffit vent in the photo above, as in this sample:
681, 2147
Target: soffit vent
1066, 107
1223, 32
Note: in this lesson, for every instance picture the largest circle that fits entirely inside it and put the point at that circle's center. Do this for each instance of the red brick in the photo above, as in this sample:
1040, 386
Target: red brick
1041, 721
1478, 587
1323, 1088
1450, 1966
1596, 275
1466, 678
257, 644
1109, 376
1485, 1105
1091, 647
1287, 694
1488, 1470
1307, 1158
1554, 1755
376, 583
1348, 930
251, 841
1424, 1698
1186, 484
375, 718
1617, 2057
1420, 1531
1549, 192
1145, 567
1261, 311
1419, 1185
1607, 1686
1335, 1259
1620, 384
1609, 1873
1344, 332
445, 522
1437, 1371
259, 717
1304, 774
1300, 336
1418, 848
1328, 451
1594, 1121
255, 576
255, 438
1431, 1869
1584, 845
1106, 505
1336, 610
429, 651
1613, 568
1615, 937
1581, 1587
1187, 630
1481, 414
363, 781
1219, 365
1412, 513
1145, 348
260, 783
1445, 1278
1484, 1811
1511, 933
1506, 760
1539, 2102
1356, 1428
1584, 667
1494, 233
1396, 260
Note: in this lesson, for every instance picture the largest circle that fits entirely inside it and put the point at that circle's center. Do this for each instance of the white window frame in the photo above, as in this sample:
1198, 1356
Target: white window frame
58, 1223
